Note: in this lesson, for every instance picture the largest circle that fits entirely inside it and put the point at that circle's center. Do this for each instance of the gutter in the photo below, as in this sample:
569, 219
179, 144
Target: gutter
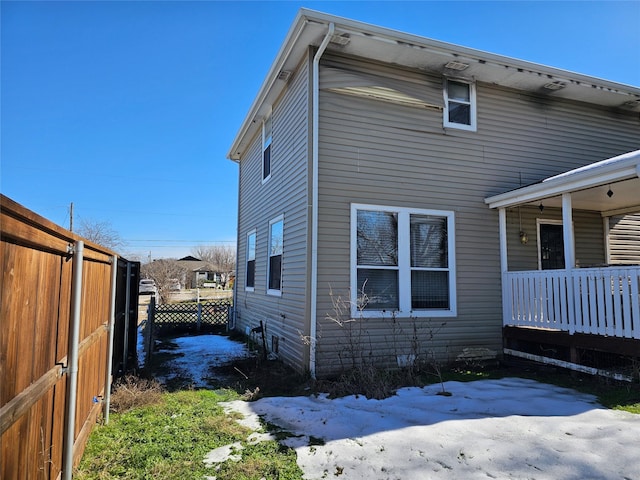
314, 200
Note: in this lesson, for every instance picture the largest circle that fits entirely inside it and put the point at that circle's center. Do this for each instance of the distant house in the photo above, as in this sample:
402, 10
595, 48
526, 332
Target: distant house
198, 273
419, 187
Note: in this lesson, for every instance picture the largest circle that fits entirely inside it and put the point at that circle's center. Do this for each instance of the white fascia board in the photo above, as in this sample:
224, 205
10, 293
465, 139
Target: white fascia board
425, 44
289, 43
302, 34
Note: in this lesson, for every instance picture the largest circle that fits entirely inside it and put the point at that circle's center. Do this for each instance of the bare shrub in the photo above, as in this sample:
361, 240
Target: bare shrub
412, 343
132, 392
367, 380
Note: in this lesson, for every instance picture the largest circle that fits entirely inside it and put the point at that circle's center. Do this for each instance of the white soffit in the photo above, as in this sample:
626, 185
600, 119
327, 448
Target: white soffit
407, 50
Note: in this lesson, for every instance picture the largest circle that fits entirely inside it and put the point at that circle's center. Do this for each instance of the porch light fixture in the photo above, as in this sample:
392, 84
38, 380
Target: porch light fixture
524, 238
610, 192
541, 206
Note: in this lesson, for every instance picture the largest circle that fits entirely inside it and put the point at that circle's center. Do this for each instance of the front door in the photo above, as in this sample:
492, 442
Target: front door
551, 246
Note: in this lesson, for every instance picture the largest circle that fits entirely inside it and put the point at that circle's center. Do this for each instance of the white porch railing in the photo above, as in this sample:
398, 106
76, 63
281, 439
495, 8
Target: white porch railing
600, 301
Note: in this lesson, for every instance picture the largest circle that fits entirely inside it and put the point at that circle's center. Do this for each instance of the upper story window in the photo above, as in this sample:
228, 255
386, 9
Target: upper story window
251, 261
460, 105
402, 261
267, 136
274, 272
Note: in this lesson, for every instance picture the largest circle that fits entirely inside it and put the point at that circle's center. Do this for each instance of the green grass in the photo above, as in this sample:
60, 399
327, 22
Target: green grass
170, 439
166, 435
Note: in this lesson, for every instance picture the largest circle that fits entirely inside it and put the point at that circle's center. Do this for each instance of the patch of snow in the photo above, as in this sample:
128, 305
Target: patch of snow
257, 437
200, 353
140, 350
508, 428
222, 454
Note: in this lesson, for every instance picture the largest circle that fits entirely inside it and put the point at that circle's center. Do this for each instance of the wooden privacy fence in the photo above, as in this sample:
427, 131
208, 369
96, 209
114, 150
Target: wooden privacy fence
65, 307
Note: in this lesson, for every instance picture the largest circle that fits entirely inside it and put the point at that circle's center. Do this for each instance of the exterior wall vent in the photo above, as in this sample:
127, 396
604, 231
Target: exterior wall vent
554, 85
340, 39
284, 75
458, 66
632, 104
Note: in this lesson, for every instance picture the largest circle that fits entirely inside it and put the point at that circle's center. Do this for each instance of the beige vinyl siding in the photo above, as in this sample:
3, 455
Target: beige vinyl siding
285, 193
588, 232
624, 239
375, 152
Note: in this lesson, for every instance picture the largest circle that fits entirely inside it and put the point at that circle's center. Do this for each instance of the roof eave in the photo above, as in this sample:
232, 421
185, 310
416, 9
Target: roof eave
289, 43
293, 48
570, 182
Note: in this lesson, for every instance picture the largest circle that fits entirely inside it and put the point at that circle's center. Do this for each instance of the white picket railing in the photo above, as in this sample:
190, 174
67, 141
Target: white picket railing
600, 301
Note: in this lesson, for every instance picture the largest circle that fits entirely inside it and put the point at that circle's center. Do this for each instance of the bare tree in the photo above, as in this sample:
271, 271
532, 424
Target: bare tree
165, 272
101, 233
221, 257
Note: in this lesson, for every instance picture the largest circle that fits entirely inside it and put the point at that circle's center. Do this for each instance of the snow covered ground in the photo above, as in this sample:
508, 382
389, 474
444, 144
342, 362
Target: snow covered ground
505, 429
198, 353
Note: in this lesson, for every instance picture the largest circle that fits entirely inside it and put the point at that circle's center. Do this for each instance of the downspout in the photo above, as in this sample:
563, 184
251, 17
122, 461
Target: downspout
315, 116
72, 361
112, 321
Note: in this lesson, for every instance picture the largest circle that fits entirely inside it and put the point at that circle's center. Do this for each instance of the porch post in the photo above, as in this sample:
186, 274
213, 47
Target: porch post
502, 219
569, 264
504, 267
567, 231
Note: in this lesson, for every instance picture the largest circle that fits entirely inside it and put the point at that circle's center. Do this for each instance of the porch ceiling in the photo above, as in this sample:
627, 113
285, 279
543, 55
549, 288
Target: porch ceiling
588, 187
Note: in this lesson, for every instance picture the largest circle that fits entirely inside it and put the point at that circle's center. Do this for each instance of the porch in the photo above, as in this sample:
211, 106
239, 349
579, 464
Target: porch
598, 301
559, 302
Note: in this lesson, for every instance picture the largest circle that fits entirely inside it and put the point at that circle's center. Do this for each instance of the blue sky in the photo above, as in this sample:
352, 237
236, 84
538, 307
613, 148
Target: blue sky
128, 109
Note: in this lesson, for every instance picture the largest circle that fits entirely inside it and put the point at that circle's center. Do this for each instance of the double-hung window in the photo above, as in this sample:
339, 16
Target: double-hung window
267, 136
274, 273
460, 105
402, 261
250, 282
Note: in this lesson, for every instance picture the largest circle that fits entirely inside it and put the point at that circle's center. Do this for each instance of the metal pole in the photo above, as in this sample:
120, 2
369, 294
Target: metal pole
72, 361
127, 307
151, 315
112, 321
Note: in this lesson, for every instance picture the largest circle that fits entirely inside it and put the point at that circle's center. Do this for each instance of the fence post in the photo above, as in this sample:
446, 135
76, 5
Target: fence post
127, 308
72, 361
199, 316
151, 317
112, 318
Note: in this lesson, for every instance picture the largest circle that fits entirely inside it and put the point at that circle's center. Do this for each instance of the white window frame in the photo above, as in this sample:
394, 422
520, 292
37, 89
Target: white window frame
404, 263
267, 141
273, 291
248, 259
472, 127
